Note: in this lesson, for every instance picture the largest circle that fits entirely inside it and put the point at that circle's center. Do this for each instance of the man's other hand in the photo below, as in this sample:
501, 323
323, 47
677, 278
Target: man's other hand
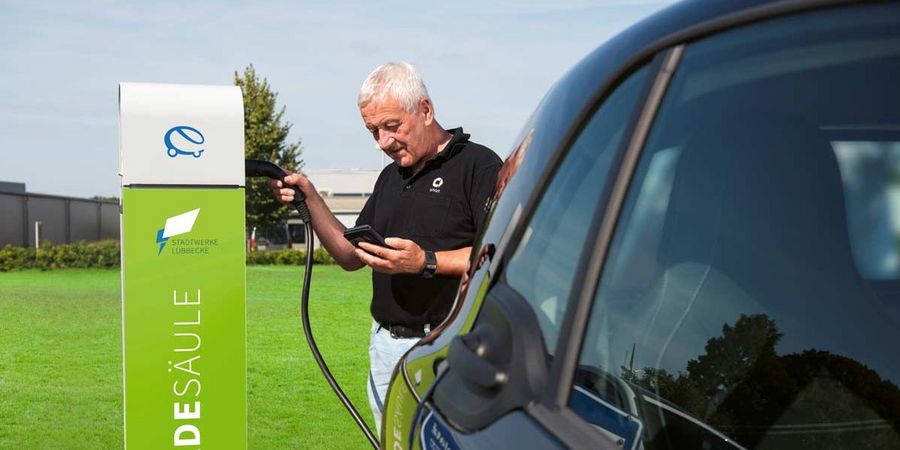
404, 256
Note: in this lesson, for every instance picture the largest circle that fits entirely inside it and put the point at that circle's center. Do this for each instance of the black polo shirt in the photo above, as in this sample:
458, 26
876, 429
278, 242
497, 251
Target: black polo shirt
439, 208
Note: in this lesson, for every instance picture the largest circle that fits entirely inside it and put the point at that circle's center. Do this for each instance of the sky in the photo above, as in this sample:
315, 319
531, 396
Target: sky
486, 66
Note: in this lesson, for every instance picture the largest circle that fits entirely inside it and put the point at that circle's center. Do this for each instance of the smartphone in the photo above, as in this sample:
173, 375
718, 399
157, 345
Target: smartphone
364, 233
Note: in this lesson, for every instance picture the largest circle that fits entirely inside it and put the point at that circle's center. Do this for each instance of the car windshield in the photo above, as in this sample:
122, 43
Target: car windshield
751, 295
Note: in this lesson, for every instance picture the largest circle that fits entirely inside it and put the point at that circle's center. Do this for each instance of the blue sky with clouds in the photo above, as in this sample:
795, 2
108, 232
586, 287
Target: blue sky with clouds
486, 65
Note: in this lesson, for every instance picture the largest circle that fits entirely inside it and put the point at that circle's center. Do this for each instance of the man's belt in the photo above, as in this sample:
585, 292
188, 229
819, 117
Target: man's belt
407, 331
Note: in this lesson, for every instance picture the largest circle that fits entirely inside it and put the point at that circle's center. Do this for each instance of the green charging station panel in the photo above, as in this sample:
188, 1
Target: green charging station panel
183, 266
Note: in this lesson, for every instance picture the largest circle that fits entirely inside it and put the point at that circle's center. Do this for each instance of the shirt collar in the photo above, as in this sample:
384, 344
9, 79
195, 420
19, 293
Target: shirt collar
457, 142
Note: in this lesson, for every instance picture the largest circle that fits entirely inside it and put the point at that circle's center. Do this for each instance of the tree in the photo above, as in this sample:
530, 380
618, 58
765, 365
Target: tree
265, 137
741, 387
730, 357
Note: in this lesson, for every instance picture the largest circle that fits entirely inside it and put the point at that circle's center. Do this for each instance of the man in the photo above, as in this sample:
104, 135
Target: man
428, 203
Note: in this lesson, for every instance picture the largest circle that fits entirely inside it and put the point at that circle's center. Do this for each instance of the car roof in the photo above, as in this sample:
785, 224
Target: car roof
590, 80
681, 21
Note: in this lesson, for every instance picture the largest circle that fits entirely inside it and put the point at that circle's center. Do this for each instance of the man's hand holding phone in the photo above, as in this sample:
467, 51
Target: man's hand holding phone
364, 233
391, 255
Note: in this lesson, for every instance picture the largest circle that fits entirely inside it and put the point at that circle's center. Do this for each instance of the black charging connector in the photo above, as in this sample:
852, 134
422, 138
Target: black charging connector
259, 168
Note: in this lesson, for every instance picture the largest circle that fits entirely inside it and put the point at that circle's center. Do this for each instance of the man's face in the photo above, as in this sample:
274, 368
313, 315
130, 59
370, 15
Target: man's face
400, 134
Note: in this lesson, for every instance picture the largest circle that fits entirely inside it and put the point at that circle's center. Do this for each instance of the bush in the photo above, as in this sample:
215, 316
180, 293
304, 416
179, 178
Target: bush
16, 258
105, 255
80, 255
261, 258
284, 257
321, 256
288, 257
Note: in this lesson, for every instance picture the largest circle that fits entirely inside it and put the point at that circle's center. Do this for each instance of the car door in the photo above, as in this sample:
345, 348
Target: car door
503, 365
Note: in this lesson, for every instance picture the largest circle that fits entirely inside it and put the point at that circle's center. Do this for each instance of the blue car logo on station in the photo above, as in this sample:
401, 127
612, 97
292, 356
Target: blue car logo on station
187, 141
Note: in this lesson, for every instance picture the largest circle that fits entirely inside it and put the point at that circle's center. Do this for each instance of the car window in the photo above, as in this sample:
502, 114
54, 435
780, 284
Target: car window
543, 265
870, 171
748, 298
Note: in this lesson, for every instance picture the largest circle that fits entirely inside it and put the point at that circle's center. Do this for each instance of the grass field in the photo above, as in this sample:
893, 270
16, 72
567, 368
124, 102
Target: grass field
61, 363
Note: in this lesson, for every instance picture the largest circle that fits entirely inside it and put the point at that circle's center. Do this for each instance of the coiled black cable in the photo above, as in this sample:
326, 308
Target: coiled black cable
257, 168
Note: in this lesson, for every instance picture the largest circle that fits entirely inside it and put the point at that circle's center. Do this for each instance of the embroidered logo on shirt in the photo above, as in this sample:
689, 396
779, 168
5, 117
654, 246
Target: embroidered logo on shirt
436, 184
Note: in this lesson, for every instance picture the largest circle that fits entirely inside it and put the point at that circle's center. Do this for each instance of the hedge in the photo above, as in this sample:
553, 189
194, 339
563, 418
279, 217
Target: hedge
105, 255
80, 255
288, 257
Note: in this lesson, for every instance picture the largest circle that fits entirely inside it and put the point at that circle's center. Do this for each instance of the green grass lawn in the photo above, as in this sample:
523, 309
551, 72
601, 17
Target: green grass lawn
61, 359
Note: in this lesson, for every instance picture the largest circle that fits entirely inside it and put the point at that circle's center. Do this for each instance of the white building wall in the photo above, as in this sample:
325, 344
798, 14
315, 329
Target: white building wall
345, 192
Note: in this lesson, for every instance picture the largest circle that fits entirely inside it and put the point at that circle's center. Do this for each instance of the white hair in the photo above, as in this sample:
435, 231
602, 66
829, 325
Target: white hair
398, 80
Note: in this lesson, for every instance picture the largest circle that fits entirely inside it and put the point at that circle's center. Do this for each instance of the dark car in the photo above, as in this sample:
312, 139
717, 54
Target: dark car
694, 245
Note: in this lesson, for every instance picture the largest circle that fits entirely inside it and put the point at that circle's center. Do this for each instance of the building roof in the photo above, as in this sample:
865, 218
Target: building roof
347, 205
343, 182
11, 187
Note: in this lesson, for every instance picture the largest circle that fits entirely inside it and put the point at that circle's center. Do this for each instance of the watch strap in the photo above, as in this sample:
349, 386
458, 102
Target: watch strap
430, 264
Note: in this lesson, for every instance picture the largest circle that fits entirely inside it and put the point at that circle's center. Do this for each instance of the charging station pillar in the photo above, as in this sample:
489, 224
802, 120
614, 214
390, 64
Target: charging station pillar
181, 153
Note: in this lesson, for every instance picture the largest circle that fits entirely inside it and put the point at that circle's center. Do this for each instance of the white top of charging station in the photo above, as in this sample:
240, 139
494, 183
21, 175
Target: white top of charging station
181, 134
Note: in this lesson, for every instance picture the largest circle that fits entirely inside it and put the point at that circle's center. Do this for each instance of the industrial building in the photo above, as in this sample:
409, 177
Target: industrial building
28, 217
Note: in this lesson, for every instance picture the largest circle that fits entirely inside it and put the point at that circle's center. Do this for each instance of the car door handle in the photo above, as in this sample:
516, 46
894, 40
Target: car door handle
471, 367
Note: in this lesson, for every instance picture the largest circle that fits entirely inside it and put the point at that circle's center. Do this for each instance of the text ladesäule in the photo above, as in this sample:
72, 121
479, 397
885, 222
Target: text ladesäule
186, 385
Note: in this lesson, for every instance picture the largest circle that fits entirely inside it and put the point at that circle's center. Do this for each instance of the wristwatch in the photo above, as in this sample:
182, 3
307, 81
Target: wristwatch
430, 264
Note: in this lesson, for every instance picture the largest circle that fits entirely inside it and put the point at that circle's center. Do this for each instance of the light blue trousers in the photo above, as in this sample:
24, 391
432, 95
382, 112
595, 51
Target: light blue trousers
384, 353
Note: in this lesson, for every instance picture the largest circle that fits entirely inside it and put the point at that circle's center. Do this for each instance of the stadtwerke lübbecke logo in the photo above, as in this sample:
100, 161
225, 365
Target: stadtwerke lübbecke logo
180, 225
184, 140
